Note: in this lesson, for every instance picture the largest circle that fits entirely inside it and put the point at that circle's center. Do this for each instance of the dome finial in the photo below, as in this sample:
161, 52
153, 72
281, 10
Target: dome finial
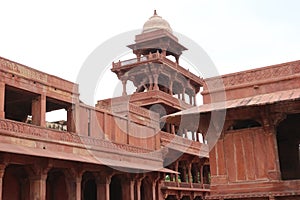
155, 13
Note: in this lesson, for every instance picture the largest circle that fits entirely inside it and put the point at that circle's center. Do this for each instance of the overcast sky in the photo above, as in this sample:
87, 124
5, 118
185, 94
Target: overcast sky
57, 36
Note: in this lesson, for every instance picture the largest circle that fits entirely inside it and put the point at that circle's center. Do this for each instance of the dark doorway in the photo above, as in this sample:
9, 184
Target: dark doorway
288, 141
115, 188
56, 188
89, 186
15, 183
146, 189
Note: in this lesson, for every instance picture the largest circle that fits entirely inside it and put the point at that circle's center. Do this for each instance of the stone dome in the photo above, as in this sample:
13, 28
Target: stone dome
155, 23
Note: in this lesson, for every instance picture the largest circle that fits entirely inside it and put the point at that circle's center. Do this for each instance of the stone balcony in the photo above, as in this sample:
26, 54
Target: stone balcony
157, 58
183, 144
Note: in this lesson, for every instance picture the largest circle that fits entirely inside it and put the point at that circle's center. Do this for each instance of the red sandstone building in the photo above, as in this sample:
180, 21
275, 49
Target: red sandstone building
127, 148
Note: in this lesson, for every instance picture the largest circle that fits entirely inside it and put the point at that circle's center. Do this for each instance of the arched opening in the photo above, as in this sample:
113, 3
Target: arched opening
15, 183
56, 187
89, 186
115, 188
288, 141
146, 189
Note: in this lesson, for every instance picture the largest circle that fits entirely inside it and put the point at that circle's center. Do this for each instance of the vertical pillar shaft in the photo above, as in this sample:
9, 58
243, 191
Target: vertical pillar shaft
154, 190
150, 83
124, 82
71, 118
38, 110
155, 77
195, 101
128, 190
38, 187
78, 188
173, 129
183, 94
2, 100
138, 189
103, 187
190, 173
2, 171
171, 86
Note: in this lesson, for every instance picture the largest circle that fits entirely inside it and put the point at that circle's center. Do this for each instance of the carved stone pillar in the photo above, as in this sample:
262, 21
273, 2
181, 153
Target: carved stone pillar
38, 186
103, 182
173, 129
38, 110
155, 77
124, 82
150, 83
72, 118
2, 171
183, 93
195, 100
2, 100
78, 187
138, 189
128, 188
189, 168
171, 86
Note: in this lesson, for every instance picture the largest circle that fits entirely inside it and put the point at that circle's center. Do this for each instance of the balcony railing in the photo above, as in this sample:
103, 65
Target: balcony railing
172, 184
183, 144
159, 58
23, 130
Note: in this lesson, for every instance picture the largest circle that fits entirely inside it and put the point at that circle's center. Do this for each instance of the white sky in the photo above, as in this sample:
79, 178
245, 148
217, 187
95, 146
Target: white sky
57, 36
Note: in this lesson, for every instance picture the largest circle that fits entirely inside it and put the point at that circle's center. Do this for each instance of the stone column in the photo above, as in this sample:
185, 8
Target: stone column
154, 189
38, 110
2, 100
78, 187
71, 119
150, 83
195, 102
38, 186
155, 77
173, 129
128, 189
2, 171
138, 189
124, 82
190, 177
183, 93
103, 187
171, 86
